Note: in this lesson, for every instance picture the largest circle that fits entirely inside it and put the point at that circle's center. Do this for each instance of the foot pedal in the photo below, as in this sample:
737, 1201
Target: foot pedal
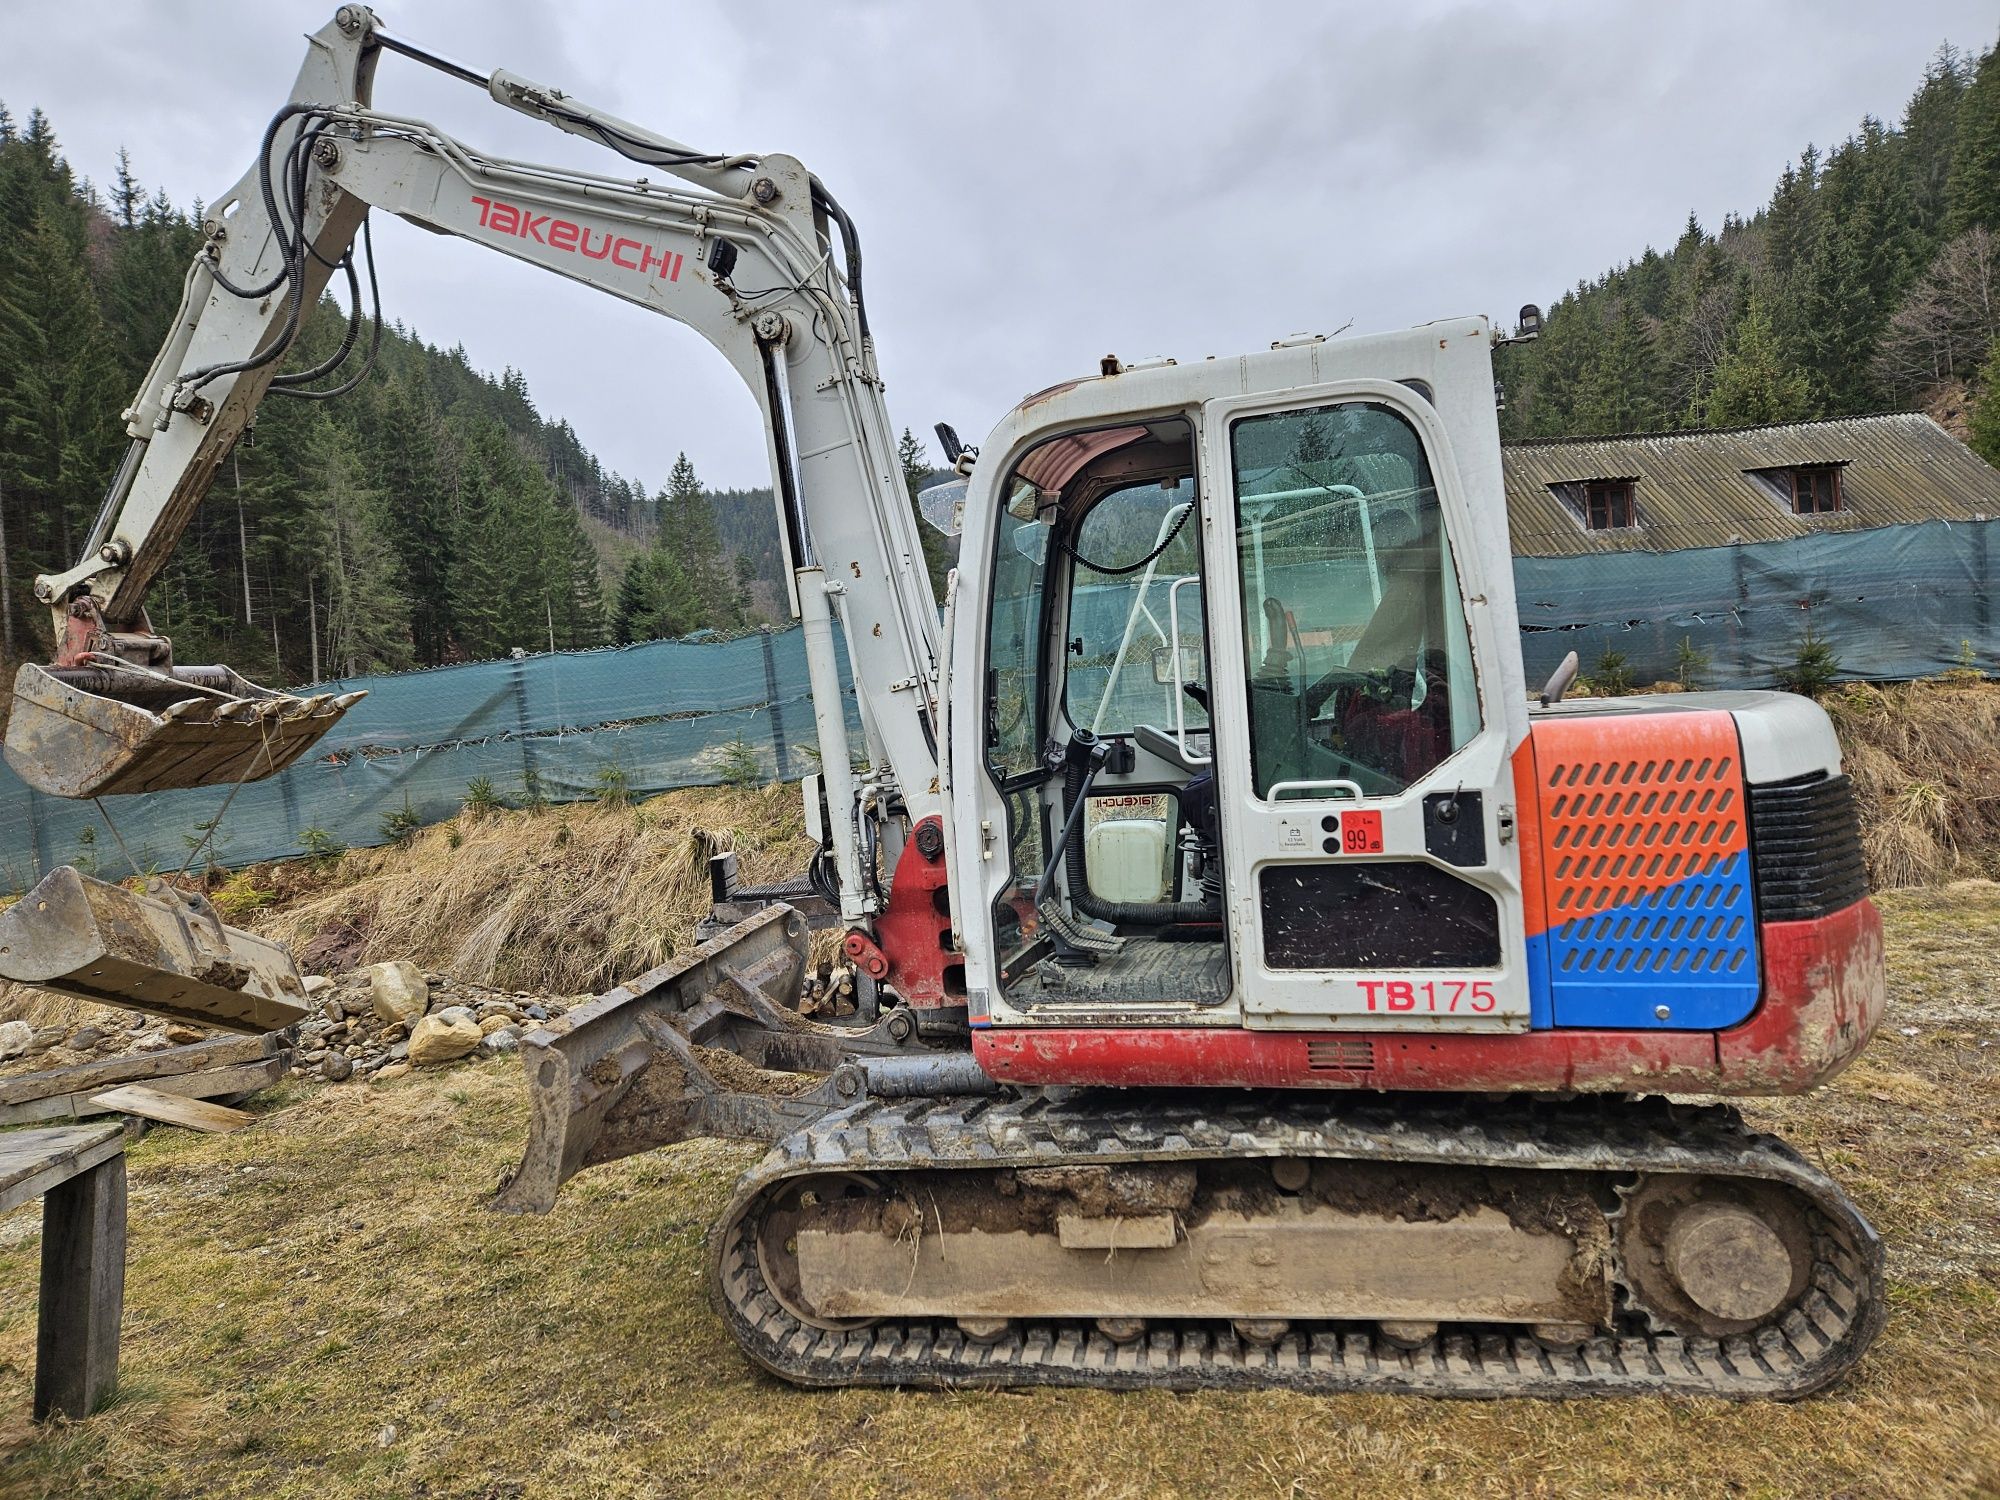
1072, 933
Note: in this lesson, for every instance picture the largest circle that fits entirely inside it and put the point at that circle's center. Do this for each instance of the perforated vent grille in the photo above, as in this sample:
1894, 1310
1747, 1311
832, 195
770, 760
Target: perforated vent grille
1340, 1056
1646, 870
1616, 830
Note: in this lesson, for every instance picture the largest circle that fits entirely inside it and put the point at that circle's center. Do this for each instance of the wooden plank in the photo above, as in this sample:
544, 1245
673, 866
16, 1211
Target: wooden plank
210, 1083
91, 1077
172, 1109
33, 1161
83, 1291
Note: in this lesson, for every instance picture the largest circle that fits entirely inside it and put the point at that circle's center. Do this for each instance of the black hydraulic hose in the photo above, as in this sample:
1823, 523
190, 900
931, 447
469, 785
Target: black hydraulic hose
850, 242
1076, 778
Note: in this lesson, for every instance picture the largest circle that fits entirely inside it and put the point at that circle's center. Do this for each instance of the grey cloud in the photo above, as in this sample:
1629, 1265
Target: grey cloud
1040, 183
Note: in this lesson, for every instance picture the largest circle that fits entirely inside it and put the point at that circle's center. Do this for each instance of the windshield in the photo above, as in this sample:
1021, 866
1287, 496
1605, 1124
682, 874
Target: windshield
1359, 667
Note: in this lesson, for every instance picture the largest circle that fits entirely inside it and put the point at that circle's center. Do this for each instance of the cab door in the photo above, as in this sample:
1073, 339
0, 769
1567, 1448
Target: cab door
1373, 875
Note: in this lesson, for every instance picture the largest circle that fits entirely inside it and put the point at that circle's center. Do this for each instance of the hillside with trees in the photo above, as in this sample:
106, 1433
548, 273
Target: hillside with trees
1870, 282
433, 515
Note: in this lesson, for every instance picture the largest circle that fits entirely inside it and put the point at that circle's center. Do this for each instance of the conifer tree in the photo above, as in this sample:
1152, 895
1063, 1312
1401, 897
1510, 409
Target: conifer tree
939, 550
1752, 383
1973, 189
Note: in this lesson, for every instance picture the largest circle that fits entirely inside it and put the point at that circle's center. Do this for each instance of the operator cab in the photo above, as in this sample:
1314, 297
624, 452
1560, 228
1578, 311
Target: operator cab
1355, 660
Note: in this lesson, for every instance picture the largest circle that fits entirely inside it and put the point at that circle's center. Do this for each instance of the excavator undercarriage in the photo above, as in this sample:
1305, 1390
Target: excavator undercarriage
915, 1224
1456, 1249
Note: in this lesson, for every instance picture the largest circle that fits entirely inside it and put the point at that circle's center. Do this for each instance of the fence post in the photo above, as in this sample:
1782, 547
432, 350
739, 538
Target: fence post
1982, 599
781, 755
37, 848
529, 772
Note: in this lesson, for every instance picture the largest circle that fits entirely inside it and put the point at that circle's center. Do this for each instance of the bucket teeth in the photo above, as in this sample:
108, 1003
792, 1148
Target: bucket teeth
102, 731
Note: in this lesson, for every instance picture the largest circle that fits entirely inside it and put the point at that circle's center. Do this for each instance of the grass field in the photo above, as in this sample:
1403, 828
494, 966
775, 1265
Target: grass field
321, 1307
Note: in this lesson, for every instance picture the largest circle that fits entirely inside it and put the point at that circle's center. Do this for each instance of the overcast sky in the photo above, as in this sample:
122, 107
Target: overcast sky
1038, 184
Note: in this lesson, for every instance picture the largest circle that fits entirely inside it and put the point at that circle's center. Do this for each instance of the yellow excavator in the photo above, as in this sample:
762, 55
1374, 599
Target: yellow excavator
1266, 988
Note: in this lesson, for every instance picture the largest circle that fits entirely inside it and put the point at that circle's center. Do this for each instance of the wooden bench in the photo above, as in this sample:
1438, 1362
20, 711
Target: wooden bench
78, 1171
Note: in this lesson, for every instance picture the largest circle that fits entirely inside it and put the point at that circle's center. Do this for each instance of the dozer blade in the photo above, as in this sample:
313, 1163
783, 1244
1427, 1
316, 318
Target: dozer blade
648, 1064
106, 729
165, 952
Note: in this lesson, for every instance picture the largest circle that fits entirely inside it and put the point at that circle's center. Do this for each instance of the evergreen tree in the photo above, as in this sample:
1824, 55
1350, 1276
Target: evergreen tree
1753, 384
367, 619
1984, 419
1973, 189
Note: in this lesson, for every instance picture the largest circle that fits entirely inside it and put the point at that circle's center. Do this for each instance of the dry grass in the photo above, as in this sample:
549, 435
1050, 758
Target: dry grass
298, 1289
1922, 756
564, 900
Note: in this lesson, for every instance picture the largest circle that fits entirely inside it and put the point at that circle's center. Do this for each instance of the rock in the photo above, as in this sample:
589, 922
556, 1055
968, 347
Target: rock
15, 1038
398, 991
494, 1023
182, 1035
393, 1070
333, 1010
316, 984
152, 1041
501, 1042
438, 1039
85, 1038
45, 1037
454, 1014
537, 1013
335, 1068
398, 1052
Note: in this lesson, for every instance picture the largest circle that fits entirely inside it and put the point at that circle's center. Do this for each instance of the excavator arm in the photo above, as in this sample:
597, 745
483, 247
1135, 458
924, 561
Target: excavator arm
750, 251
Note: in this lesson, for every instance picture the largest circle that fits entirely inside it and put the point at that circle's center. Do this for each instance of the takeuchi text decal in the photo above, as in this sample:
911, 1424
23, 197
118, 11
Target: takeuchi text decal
560, 234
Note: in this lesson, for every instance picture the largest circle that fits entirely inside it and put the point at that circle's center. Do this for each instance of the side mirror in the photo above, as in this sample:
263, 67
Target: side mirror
943, 506
1559, 681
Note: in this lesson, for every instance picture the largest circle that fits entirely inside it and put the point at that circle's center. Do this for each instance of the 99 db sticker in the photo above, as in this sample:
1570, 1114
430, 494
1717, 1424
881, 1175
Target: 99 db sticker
1361, 831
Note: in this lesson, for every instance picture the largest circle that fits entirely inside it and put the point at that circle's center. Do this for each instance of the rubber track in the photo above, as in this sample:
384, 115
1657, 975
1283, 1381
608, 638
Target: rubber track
1805, 1348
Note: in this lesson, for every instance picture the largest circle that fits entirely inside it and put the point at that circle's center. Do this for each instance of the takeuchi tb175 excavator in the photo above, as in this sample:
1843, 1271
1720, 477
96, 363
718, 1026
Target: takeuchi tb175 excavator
1261, 987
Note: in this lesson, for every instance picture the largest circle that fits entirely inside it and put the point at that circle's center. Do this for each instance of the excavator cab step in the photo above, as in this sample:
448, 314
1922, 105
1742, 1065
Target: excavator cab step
110, 727
163, 950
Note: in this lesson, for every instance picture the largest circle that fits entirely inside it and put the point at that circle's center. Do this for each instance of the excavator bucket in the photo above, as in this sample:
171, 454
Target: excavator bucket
163, 951
99, 730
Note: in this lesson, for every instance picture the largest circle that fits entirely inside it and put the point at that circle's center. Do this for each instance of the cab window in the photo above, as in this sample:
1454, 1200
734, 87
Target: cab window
1013, 663
1135, 595
1355, 647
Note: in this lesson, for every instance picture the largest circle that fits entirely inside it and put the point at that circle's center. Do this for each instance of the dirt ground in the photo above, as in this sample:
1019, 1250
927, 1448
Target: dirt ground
321, 1307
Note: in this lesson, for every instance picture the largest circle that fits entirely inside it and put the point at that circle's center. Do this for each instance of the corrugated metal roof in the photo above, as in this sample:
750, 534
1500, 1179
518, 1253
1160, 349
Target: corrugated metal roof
1695, 488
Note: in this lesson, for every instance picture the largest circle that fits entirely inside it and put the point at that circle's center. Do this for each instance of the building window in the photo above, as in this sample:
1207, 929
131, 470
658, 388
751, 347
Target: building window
1607, 505
1815, 491
1805, 489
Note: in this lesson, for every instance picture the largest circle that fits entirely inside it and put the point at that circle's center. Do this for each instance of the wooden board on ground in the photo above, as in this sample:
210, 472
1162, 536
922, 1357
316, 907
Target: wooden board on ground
173, 1109
33, 1161
209, 1083
92, 1077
